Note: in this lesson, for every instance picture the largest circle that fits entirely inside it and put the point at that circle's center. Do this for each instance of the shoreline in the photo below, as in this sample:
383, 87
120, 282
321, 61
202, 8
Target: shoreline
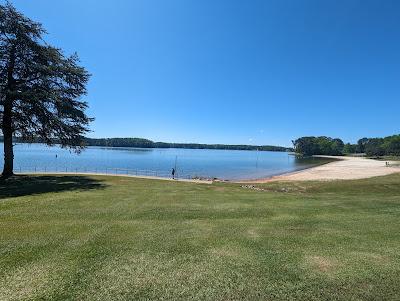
343, 168
301, 169
115, 175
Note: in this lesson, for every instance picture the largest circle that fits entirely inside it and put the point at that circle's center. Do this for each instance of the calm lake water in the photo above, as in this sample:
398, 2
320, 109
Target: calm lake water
222, 164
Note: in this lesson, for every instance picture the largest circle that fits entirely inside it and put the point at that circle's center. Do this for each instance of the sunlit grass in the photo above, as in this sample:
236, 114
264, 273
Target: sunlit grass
116, 238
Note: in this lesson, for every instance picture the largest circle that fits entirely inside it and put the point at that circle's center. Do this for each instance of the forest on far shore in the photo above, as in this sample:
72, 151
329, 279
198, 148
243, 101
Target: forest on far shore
306, 146
146, 143
372, 147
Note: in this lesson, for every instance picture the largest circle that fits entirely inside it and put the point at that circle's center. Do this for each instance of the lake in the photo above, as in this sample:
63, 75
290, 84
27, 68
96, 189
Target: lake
190, 163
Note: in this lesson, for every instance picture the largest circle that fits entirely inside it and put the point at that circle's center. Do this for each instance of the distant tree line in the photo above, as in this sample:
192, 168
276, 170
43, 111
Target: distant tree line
372, 147
120, 142
145, 143
307, 146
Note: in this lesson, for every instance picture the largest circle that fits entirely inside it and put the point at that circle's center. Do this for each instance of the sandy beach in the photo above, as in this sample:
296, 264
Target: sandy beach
346, 168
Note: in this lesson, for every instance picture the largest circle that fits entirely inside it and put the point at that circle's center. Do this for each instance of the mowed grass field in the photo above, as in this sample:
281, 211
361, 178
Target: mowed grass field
118, 238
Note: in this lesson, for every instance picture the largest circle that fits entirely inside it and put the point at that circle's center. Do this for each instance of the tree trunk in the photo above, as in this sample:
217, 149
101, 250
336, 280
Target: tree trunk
7, 119
8, 143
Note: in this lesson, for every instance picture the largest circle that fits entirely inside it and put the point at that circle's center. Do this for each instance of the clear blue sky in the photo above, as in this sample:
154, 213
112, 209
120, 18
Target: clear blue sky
225, 71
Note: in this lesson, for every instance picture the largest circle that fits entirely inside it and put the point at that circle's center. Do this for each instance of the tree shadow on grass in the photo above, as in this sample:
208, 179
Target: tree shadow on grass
31, 185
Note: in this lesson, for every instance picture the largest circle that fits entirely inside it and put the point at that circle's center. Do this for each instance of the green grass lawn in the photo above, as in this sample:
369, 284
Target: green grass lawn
116, 238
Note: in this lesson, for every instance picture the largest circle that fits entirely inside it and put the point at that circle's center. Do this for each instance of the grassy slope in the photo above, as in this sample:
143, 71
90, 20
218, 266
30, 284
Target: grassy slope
99, 238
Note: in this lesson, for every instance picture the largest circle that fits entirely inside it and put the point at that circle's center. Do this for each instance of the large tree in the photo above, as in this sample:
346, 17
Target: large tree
40, 88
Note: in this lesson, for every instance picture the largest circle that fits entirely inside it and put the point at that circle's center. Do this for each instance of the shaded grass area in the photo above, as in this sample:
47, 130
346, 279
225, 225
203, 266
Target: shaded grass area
116, 238
20, 185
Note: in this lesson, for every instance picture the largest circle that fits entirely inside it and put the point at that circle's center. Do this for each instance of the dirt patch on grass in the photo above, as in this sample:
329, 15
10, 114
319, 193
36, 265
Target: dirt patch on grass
28, 281
270, 189
219, 188
374, 257
321, 264
253, 233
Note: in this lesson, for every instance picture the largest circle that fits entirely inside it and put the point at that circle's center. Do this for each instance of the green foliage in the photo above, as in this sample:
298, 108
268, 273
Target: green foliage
119, 142
40, 87
388, 146
309, 146
361, 145
44, 86
372, 147
350, 148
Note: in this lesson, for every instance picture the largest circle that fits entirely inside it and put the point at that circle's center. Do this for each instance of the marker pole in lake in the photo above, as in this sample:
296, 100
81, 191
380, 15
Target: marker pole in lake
257, 159
176, 159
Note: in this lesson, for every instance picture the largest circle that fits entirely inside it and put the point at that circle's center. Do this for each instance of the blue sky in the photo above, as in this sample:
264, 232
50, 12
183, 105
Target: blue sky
225, 71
